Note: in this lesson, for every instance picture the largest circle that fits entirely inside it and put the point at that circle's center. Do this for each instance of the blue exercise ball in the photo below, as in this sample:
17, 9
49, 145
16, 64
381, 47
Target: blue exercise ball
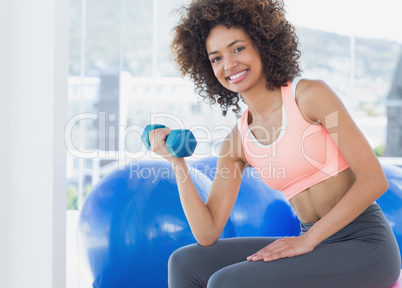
132, 221
259, 210
206, 165
262, 211
391, 201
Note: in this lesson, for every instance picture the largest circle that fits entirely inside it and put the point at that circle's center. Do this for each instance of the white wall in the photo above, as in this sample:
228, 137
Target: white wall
33, 103
3, 195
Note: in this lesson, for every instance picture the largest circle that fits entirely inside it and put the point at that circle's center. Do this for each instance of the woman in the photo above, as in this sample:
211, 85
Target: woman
247, 49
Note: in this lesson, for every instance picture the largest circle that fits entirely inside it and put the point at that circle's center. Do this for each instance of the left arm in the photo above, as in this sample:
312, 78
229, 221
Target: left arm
370, 181
317, 101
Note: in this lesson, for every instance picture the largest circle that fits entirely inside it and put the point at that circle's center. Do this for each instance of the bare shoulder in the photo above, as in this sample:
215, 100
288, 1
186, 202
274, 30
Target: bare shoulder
310, 91
314, 97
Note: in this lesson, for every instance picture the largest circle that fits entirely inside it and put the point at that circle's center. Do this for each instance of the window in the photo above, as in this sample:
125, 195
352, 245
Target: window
122, 78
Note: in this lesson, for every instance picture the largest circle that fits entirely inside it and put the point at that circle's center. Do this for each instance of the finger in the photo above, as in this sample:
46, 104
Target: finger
282, 251
159, 134
256, 255
158, 131
157, 142
249, 258
153, 139
267, 251
281, 254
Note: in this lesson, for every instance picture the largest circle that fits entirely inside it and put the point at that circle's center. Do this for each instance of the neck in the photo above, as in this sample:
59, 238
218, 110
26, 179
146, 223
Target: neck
262, 103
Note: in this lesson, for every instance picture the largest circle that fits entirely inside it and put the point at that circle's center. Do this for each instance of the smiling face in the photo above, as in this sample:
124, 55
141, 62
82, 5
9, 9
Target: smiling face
235, 60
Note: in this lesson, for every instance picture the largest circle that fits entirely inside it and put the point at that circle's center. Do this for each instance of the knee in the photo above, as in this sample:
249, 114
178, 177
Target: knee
176, 260
223, 278
179, 263
215, 281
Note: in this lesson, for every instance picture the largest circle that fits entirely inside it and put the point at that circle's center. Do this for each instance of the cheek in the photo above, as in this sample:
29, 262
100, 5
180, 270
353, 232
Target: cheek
217, 71
220, 76
257, 64
255, 57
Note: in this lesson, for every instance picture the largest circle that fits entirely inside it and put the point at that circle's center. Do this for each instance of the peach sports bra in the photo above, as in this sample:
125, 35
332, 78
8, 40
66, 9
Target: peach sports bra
303, 155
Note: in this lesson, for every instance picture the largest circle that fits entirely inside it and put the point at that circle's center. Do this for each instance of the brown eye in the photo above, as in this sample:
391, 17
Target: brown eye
238, 49
216, 59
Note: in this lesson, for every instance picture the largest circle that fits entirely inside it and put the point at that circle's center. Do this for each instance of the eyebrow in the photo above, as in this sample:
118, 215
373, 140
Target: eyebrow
230, 45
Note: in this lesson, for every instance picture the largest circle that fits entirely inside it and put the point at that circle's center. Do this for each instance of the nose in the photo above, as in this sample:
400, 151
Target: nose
230, 63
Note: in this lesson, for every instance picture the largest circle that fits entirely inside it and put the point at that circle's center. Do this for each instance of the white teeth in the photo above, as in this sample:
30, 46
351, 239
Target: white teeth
237, 75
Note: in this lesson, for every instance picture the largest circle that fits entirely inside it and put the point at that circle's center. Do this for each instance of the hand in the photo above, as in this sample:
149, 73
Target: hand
157, 139
282, 248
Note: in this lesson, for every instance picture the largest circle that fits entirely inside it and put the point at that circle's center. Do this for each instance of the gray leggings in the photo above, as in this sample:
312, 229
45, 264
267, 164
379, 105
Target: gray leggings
363, 254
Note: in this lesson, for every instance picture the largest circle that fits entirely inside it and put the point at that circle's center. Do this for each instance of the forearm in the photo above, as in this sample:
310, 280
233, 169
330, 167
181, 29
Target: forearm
197, 213
362, 193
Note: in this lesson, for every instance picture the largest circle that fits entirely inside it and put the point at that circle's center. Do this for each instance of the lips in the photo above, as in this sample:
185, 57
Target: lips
238, 76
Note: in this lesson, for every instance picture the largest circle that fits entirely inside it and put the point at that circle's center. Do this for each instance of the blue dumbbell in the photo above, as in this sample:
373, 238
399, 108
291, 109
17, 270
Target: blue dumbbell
180, 142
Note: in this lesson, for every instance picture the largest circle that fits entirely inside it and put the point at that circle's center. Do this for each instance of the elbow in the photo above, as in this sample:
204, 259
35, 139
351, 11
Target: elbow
379, 184
384, 186
373, 181
382, 183
207, 241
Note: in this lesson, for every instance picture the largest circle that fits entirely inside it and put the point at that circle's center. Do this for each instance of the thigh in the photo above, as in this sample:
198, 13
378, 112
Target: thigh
343, 264
192, 265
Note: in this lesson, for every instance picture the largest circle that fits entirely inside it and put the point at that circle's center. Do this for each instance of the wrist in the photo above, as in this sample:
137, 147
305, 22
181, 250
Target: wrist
176, 162
312, 238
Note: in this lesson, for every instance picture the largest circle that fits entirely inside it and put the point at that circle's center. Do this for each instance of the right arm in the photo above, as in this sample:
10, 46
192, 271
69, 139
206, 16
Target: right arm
207, 220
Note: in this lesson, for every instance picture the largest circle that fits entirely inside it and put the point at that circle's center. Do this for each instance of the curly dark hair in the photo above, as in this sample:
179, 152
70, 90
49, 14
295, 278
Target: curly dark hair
263, 20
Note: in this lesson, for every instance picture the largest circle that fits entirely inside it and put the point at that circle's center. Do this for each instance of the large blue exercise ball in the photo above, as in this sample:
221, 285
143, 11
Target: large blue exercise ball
262, 211
391, 201
206, 165
259, 210
132, 221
